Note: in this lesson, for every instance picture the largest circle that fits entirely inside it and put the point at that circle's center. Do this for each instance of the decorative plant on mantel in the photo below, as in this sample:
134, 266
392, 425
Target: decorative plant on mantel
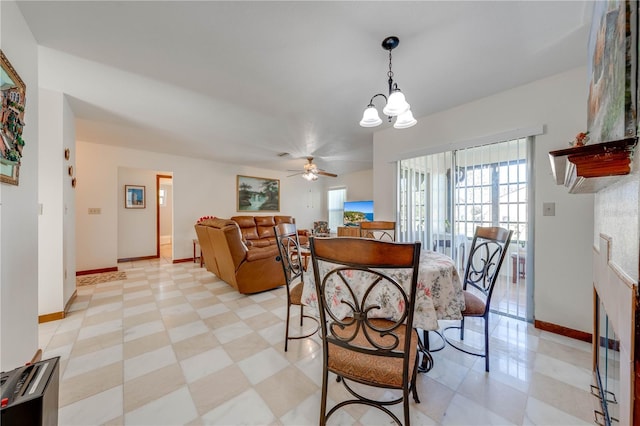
581, 139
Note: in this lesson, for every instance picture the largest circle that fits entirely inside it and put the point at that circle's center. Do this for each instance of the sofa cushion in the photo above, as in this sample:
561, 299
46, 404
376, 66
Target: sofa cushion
284, 219
247, 227
257, 231
264, 225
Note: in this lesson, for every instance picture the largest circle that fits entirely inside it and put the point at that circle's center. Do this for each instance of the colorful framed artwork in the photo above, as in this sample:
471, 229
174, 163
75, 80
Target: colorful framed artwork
12, 99
134, 197
255, 194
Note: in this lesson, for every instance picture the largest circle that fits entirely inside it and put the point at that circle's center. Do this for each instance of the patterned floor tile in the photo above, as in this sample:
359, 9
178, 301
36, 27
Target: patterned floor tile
172, 344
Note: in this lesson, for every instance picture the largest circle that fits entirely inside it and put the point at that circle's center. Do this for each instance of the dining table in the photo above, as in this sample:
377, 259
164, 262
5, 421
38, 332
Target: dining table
439, 294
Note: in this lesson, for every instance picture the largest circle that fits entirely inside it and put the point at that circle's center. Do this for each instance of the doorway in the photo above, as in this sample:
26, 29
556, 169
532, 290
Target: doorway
164, 222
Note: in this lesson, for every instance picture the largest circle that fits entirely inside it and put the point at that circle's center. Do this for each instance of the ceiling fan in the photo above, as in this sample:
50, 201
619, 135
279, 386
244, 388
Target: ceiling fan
311, 171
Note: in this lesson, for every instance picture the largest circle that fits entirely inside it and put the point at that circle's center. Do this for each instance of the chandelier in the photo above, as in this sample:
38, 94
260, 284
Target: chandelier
396, 104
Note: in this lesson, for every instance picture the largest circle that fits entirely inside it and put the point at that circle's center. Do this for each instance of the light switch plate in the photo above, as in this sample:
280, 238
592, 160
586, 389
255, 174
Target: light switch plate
548, 209
95, 210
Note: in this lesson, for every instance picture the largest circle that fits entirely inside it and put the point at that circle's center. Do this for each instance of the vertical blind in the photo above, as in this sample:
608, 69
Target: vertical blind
443, 197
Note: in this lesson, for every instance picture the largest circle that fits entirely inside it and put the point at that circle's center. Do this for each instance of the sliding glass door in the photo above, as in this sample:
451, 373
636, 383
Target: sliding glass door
443, 197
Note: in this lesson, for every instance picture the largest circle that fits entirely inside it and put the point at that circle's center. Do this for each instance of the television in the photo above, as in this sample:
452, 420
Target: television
355, 212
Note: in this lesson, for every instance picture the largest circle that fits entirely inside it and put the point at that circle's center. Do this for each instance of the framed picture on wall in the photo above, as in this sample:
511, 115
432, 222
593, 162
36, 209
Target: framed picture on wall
256, 194
12, 102
134, 197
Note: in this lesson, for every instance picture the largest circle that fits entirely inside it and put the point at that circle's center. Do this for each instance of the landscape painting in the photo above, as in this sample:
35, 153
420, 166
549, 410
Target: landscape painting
258, 194
612, 62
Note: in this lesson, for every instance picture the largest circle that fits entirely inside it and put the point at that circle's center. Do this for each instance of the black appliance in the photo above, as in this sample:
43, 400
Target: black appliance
30, 394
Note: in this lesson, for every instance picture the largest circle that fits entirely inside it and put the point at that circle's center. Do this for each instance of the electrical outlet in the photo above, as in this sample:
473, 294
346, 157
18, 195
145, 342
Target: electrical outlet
548, 209
95, 210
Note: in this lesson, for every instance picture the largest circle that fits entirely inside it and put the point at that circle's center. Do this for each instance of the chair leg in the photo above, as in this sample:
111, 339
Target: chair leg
414, 389
486, 343
286, 330
462, 329
323, 399
405, 403
301, 312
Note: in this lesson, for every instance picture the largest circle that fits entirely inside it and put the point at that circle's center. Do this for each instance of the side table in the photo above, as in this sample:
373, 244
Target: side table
197, 244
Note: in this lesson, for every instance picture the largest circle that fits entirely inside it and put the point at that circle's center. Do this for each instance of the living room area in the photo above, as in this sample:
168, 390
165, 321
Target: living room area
171, 331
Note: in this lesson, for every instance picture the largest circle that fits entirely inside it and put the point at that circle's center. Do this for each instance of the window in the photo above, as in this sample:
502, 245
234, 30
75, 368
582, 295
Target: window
443, 197
492, 189
335, 206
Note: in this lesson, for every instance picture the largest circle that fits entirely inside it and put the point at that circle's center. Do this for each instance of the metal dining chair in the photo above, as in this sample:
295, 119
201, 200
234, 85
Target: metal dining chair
487, 252
356, 281
290, 255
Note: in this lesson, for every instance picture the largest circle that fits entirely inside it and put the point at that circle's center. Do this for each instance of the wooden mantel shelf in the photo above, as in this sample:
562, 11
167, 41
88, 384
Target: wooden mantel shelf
590, 168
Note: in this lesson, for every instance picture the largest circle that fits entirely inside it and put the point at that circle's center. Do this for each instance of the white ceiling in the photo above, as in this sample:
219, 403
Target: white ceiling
242, 81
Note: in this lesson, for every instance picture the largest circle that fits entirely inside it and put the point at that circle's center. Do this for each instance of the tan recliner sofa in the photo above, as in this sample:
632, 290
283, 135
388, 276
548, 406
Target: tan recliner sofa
243, 256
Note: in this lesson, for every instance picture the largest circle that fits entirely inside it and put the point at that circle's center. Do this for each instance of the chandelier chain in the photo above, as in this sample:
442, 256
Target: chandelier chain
390, 73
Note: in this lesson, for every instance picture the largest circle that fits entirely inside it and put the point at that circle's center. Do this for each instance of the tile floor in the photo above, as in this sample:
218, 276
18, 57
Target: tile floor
173, 345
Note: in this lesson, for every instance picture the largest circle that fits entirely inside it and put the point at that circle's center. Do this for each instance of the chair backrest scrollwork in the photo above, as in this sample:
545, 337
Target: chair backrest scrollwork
487, 252
289, 251
357, 282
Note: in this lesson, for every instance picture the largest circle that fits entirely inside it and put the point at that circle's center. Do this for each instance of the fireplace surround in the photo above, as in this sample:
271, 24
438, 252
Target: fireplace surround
615, 380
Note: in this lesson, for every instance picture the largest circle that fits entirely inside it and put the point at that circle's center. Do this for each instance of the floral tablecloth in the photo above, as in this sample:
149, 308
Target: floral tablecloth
439, 292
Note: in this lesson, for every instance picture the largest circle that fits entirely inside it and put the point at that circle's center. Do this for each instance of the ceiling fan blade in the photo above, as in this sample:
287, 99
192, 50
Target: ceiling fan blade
323, 173
295, 174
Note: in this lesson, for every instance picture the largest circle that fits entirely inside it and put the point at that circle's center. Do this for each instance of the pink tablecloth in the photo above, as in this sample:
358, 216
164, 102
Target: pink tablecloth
439, 292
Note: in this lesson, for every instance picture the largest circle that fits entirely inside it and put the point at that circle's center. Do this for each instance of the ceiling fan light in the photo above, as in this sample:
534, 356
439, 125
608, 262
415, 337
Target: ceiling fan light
396, 105
405, 120
309, 176
370, 118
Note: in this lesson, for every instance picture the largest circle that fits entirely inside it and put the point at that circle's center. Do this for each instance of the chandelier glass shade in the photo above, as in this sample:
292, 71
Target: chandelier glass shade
396, 105
405, 120
370, 118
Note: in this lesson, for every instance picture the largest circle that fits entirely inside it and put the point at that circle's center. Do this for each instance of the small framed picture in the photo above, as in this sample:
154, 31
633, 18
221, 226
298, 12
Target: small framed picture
134, 197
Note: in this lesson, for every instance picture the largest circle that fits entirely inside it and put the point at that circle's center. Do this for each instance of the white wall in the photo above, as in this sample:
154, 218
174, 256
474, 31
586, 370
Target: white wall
616, 215
200, 188
562, 273
19, 208
137, 227
69, 197
56, 224
359, 187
